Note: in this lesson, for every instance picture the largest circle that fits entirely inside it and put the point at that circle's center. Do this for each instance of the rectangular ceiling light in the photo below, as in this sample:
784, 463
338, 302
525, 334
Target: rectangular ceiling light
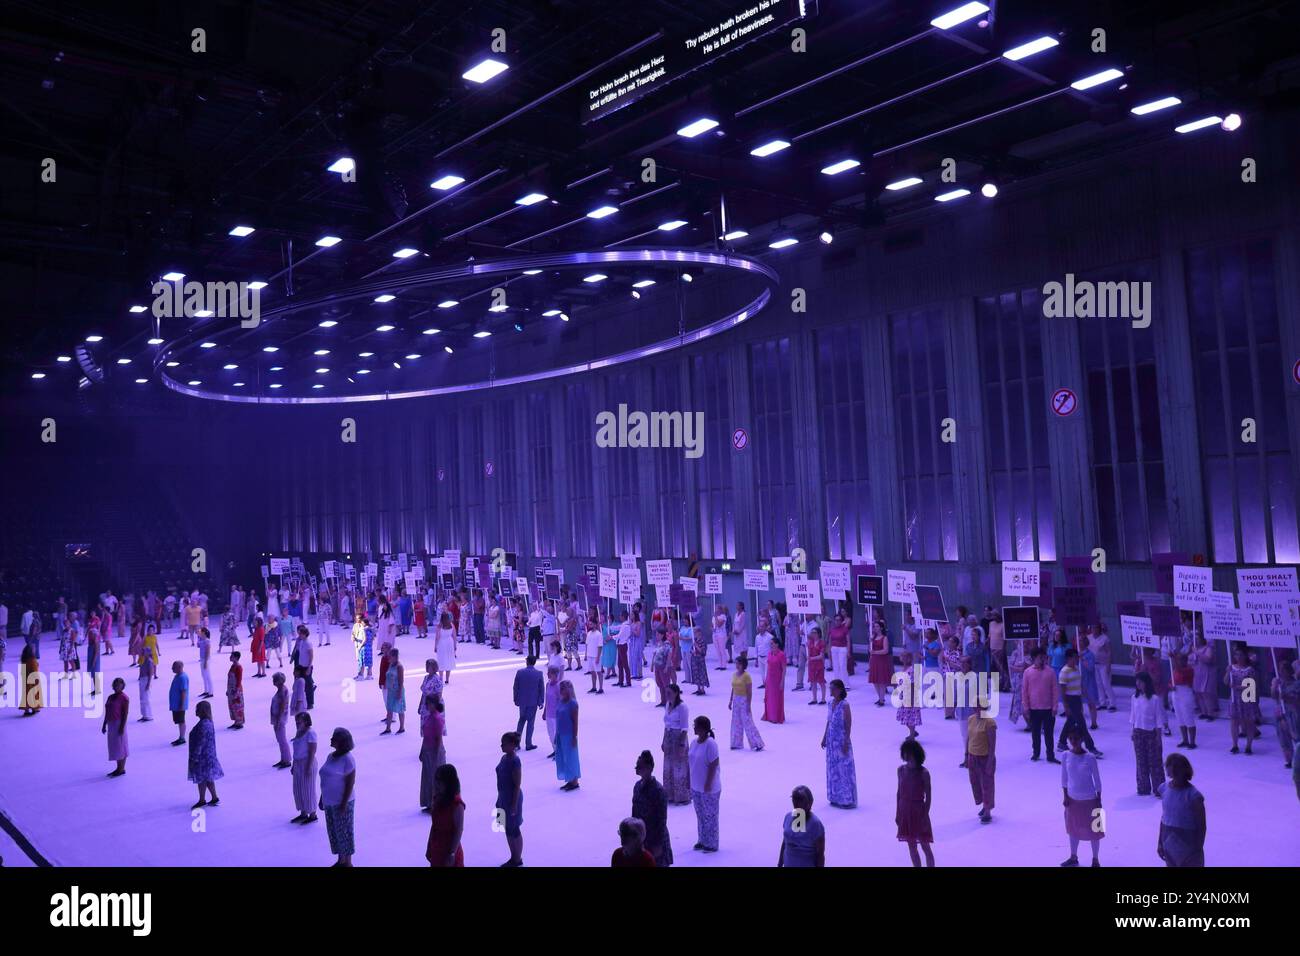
483, 71
259, 284
386, 297
405, 253
431, 331
967, 11
1199, 124
834, 169
643, 284
327, 241
384, 328
671, 225
550, 312
782, 243
446, 182
173, 276
1026, 50
448, 303
950, 196
242, 231
328, 324
907, 183
735, 234
482, 334
600, 212
151, 342
691, 130
595, 277
767, 149
344, 164
1142, 109
1105, 76
498, 308
137, 308
532, 199
532, 272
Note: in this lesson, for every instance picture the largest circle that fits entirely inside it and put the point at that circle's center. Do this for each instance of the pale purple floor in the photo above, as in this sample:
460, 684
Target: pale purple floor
52, 781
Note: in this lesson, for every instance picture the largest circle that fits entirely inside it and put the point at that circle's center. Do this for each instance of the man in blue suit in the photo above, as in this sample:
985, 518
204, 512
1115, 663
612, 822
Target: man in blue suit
530, 695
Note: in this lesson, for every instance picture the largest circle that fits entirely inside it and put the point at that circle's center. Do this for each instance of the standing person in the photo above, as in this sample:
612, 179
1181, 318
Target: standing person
706, 783
1039, 692
837, 741
1091, 690
1099, 642
280, 724
298, 697
204, 768
432, 753
981, 757
304, 767
1184, 676
448, 824
1182, 816
739, 633
529, 697
662, 663
697, 670
257, 647
1207, 698
791, 643
774, 685
445, 646
274, 639
94, 664
622, 642
594, 667
178, 700
913, 802
338, 778
1071, 680
304, 655
631, 851
421, 616
510, 798
551, 707
395, 695
362, 644
1081, 787
742, 717
148, 668
839, 636
909, 698
235, 692
998, 647
880, 672
1243, 710
636, 646
650, 806
1147, 717
675, 747
815, 651
720, 635
205, 655
30, 663
567, 766
116, 709
803, 837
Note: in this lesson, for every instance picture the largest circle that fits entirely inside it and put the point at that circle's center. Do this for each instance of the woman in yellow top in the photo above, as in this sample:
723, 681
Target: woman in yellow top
742, 718
150, 646
981, 758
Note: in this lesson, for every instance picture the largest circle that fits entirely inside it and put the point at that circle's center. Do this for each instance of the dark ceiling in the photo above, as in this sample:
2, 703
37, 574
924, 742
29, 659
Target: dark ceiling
161, 150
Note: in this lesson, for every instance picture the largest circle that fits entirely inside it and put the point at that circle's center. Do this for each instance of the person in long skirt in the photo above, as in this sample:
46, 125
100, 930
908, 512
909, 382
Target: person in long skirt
1182, 816
909, 698
837, 741
774, 684
116, 709
981, 757
1081, 788
650, 806
235, 692
706, 784
448, 824
432, 753
636, 646
1147, 717
510, 798
913, 802
304, 767
567, 766
1016, 665
742, 717
257, 646
148, 668
815, 651
677, 784
395, 694
338, 777
94, 662
280, 722
699, 665
1207, 699
880, 671
1243, 712
445, 647
204, 768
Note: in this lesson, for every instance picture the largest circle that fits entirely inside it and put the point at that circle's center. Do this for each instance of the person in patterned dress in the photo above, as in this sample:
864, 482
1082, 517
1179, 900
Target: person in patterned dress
204, 768
841, 772
235, 692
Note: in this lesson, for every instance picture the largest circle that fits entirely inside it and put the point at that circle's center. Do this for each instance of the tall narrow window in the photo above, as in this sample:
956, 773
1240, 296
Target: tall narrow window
1124, 421
1015, 418
842, 411
773, 447
670, 468
542, 472
580, 437
447, 484
505, 479
717, 498
1250, 489
925, 460
625, 500
472, 470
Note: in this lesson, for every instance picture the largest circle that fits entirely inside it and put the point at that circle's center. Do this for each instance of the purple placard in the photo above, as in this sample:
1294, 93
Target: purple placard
930, 599
1163, 565
1130, 608
1166, 620
1075, 605
1078, 572
856, 569
1044, 599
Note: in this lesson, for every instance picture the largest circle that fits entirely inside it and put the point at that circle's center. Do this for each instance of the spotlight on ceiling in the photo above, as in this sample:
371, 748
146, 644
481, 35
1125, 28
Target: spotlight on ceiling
344, 164
1232, 122
448, 349
989, 190
484, 70
826, 237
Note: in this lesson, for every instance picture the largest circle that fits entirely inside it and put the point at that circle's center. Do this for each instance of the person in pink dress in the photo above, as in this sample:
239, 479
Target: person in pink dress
774, 684
116, 709
816, 649
881, 670
913, 813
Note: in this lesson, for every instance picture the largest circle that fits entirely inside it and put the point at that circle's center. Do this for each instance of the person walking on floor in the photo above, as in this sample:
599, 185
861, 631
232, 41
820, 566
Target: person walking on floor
529, 697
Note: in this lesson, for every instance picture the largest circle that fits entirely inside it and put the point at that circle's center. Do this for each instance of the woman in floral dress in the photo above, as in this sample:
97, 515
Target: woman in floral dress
235, 692
204, 768
909, 712
698, 672
841, 773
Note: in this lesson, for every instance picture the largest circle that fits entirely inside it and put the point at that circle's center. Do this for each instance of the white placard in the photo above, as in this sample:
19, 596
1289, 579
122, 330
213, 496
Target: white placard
780, 572
1222, 624
521, 586
404, 562
660, 573
755, 579
1020, 579
902, 587
1267, 620
629, 585
1223, 600
1192, 587
835, 579
662, 597
412, 582
279, 565
691, 584
713, 584
1136, 631
608, 582
1266, 581
627, 562
803, 597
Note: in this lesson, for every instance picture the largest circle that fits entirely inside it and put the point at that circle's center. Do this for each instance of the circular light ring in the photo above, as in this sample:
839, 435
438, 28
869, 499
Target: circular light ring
569, 260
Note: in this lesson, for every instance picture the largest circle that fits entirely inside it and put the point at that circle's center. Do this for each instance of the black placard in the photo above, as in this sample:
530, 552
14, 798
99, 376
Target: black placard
1075, 605
1020, 623
871, 590
930, 599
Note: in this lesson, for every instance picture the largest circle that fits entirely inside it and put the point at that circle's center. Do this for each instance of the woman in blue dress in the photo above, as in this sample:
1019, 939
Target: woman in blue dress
608, 648
841, 773
204, 768
567, 767
394, 694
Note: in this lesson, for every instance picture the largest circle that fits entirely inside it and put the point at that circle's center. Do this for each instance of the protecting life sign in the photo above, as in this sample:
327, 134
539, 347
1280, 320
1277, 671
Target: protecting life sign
1020, 579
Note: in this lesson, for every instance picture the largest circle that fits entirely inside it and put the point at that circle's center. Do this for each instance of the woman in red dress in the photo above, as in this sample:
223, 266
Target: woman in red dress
257, 647
881, 671
774, 684
421, 617
444, 847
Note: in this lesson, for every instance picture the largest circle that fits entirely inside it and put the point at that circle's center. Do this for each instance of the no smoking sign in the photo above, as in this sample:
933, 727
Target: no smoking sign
1064, 402
739, 439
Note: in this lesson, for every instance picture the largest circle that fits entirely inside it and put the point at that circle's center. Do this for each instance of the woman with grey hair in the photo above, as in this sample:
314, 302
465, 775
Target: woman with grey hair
632, 851
338, 777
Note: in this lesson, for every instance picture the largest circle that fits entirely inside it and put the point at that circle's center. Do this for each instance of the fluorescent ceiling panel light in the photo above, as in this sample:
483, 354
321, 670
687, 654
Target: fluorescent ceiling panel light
328, 324
270, 348
365, 354
595, 277
208, 345
151, 342
124, 361
230, 367
907, 183
318, 385
643, 284
321, 352
64, 358
1142, 109
1105, 76
735, 234
384, 328
448, 303
951, 195
137, 308
550, 312
204, 314
671, 225
173, 364
446, 182
1199, 124
327, 241
173, 276
385, 298
482, 334
767, 149
94, 338
967, 11
259, 284
412, 357
781, 243
532, 272
405, 253
531, 199
834, 169
344, 164
691, 130
241, 231
483, 71
141, 381
195, 381
1026, 50
38, 375
600, 212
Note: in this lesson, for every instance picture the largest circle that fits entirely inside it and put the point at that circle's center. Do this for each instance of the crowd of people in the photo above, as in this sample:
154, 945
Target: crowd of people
1054, 676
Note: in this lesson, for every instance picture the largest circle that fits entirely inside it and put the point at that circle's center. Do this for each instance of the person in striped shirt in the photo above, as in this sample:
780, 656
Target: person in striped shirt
1071, 681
